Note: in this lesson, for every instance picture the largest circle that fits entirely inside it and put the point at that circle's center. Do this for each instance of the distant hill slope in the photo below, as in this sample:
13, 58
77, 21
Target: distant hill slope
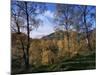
60, 34
57, 35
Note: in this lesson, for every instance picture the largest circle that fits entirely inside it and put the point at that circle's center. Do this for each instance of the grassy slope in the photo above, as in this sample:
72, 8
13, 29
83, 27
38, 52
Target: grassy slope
76, 63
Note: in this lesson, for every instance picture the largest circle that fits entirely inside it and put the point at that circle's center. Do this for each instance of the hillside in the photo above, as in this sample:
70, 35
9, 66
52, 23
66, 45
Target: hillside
60, 34
51, 53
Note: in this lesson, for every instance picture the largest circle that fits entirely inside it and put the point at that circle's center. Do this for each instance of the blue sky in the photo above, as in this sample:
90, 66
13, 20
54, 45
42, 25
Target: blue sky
48, 22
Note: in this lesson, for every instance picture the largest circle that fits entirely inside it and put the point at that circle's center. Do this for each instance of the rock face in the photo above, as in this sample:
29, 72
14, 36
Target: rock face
40, 52
48, 57
16, 46
48, 51
35, 52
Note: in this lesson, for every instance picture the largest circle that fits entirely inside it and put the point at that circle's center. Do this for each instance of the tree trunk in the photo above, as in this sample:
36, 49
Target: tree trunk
87, 31
28, 37
68, 41
18, 28
66, 27
24, 54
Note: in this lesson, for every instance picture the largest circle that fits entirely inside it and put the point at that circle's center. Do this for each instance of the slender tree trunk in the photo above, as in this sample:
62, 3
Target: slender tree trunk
18, 28
78, 34
87, 31
66, 27
28, 37
68, 40
24, 54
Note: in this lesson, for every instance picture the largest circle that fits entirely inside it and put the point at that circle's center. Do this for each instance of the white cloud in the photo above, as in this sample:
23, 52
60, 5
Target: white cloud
49, 14
42, 31
47, 27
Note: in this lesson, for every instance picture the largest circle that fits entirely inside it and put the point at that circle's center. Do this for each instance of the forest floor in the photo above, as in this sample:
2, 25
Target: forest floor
76, 63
